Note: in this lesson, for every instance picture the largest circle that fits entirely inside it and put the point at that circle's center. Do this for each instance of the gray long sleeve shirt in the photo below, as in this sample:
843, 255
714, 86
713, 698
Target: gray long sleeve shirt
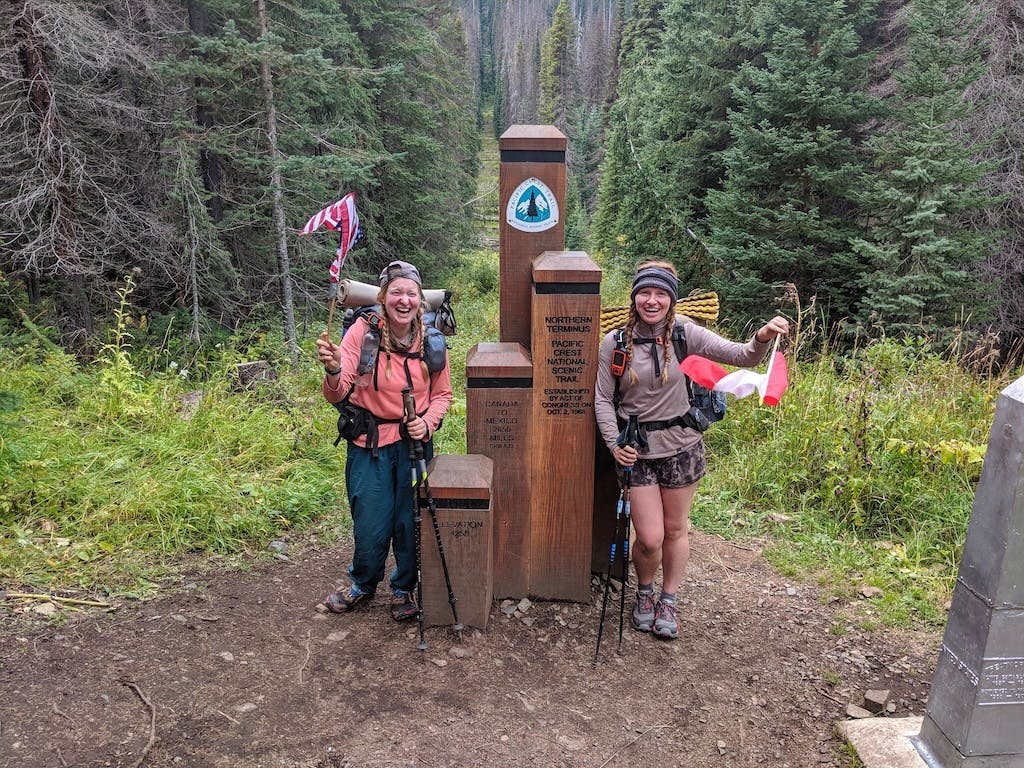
654, 400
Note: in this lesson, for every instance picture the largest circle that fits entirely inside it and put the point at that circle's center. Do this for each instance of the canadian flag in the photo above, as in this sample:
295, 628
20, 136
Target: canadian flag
740, 383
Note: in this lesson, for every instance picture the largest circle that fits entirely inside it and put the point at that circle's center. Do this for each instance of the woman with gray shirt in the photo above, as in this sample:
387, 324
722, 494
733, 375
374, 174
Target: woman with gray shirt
666, 472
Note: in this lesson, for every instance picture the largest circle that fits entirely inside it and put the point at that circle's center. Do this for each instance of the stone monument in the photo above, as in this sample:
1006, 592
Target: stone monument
975, 712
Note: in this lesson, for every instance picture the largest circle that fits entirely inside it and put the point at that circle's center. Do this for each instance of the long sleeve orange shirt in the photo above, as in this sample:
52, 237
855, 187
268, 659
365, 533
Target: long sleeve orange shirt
433, 393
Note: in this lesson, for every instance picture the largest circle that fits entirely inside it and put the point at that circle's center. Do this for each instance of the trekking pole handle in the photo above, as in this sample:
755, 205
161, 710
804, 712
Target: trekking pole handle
409, 406
630, 435
408, 403
633, 430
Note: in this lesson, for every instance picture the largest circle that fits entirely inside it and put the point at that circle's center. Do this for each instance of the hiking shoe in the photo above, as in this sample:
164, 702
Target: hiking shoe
642, 617
665, 624
346, 600
403, 606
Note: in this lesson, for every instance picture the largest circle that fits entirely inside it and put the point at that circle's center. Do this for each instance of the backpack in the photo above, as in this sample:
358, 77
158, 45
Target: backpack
706, 406
354, 421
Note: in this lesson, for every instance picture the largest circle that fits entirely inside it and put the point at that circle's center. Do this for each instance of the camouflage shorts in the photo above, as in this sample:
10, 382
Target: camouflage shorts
685, 468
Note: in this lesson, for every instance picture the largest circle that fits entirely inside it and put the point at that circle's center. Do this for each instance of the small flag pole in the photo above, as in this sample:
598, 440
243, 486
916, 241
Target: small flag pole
771, 362
332, 299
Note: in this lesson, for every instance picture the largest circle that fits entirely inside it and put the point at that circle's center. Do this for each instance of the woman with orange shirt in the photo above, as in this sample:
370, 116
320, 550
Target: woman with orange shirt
377, 463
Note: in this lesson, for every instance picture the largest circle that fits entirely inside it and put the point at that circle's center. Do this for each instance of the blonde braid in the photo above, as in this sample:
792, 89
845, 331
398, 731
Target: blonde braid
670, 322
421, 328
385, 342
630, 324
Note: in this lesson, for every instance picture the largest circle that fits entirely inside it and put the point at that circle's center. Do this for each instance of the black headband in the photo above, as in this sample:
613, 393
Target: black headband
655, 277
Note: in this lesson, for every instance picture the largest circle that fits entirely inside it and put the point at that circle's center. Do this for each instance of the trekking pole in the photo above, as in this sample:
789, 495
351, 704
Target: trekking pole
627, 477
629, 436
417, 452
417, 518
611, 565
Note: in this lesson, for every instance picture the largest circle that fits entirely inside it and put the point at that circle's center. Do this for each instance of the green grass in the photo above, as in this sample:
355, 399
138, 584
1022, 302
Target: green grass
864, 476
112, 472
108, 475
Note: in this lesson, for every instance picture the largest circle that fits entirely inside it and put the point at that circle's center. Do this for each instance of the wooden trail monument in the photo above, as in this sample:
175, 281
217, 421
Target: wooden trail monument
530, 396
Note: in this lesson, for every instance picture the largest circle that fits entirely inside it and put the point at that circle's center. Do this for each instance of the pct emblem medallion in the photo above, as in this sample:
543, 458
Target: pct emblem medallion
532, 207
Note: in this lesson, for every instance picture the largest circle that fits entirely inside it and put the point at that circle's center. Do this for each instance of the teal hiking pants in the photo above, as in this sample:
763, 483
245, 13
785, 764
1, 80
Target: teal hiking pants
380, 496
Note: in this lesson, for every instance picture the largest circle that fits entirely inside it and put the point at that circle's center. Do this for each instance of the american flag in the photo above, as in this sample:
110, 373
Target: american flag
338, 217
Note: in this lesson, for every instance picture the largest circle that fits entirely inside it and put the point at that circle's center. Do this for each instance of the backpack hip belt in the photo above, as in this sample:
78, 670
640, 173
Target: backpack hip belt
686, 420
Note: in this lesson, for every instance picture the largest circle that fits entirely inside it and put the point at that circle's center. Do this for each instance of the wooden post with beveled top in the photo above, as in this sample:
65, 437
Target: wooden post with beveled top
499, 403
566, 308
527, 152
460, 487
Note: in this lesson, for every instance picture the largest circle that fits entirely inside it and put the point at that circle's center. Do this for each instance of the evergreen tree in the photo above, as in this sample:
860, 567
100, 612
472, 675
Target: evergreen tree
558, 76
427, 123
325, 141
918, 251
627, 216
680, 128
787, 211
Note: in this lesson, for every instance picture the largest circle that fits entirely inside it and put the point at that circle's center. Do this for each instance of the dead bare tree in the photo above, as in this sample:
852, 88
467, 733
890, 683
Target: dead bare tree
280, 233
997, 127
69, 93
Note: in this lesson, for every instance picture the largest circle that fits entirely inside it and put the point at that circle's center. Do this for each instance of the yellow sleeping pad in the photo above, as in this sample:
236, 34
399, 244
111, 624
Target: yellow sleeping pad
700, 305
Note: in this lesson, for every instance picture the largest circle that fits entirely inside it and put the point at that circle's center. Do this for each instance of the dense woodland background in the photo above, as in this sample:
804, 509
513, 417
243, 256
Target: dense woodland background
865, 154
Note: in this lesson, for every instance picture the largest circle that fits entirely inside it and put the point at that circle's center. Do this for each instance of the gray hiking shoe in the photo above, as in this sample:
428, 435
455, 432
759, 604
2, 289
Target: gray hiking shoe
665, 624
642, 617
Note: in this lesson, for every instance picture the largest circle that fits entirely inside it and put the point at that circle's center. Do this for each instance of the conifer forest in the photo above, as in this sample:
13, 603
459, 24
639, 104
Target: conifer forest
866, 155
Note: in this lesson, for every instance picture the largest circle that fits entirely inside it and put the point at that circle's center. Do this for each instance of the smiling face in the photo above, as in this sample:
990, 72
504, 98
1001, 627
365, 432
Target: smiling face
401, 304
652, 305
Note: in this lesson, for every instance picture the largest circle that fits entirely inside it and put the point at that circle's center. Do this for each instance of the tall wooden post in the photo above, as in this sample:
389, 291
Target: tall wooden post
531, 180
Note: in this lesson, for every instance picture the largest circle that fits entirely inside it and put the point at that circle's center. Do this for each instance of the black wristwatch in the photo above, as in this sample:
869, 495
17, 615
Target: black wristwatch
332, 371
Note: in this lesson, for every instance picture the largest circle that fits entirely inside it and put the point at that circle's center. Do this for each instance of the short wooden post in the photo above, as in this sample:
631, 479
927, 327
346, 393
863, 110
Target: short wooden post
461, 488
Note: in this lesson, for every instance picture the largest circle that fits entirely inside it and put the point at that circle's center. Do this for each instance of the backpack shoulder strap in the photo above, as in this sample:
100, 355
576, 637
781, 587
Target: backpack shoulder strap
620, 358
679, 341
679, 345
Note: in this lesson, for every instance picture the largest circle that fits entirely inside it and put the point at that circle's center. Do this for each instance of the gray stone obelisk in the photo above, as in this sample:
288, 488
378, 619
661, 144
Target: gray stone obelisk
975, 712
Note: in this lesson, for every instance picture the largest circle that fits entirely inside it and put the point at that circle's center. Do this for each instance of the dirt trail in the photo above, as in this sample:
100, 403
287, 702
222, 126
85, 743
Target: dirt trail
240, 669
